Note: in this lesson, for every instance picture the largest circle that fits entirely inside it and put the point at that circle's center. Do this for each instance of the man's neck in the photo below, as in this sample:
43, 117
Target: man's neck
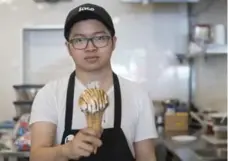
104, 77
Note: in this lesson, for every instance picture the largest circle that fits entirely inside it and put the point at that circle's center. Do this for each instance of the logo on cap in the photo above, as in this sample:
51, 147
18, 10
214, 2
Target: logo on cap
86, 9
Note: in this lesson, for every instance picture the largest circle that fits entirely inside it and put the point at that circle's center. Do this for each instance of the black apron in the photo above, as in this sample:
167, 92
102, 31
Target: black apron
114, 144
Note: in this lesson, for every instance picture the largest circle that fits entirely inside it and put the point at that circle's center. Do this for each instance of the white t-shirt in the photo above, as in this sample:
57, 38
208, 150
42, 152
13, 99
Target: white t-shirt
137, 120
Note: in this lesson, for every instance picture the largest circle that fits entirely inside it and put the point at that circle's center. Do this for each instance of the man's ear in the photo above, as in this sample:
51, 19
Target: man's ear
68, 47
114, 39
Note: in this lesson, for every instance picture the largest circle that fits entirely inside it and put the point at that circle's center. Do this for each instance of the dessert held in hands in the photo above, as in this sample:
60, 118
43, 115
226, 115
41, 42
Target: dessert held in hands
93, 102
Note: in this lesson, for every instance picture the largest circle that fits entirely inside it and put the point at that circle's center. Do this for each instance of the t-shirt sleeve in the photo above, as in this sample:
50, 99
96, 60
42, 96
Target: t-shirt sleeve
44, 106
145, 127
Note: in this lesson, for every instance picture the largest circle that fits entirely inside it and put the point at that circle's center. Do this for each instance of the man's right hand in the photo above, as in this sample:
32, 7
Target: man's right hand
83, 144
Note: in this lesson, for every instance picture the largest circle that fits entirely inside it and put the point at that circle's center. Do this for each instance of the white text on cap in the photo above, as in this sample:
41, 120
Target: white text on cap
85, 9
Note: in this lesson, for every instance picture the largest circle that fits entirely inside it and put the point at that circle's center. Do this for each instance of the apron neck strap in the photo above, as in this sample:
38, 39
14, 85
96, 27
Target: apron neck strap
117, 101
70, 102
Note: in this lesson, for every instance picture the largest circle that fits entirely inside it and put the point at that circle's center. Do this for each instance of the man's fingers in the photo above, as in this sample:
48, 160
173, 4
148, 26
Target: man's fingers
99, 135
92, 140
83, 152
87, 147
89, 131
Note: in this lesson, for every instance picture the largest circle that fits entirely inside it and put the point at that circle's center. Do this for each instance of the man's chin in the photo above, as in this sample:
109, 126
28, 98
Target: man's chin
91, 68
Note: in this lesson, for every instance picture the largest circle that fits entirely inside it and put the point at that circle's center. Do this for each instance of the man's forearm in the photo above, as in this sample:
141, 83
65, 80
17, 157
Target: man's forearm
145, 150
57, 153
152, 157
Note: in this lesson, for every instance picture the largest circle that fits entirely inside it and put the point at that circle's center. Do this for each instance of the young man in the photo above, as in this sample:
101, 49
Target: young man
58, 127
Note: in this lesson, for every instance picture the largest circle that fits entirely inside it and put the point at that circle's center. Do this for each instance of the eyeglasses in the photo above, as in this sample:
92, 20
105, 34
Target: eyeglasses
82, 42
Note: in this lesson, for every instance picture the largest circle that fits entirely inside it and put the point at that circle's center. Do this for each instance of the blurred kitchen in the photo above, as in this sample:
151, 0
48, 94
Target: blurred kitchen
176, 49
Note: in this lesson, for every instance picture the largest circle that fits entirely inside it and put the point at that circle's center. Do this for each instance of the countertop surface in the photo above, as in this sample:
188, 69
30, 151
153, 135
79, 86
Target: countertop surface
12, 153
184, 151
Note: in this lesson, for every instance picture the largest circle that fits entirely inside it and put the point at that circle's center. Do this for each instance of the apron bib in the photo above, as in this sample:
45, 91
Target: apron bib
115, 146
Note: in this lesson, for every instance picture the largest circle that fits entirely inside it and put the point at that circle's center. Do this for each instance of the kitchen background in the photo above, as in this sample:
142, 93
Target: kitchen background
159, 46
149, 37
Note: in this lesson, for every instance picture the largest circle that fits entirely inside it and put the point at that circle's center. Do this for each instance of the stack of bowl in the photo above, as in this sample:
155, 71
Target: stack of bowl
25, 95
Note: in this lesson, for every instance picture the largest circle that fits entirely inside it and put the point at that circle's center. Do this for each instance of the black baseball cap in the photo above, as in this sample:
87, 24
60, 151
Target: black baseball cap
85, 12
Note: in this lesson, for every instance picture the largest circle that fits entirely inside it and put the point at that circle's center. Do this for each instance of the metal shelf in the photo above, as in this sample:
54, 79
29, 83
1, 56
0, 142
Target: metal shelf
212, 50
215, 49
159, 1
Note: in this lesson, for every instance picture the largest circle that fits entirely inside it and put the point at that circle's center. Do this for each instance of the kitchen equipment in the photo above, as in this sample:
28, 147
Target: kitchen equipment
197, 117
22, 107
22, 126
170, 105
159, 112
6, 127
184, 138
155, 1
219, 34
6, 124
213, 140
6, 142
23, 143
220, 132
158, 107
182, 107
222, 152
26, 92
206, 124
219, 119
223, 120
216, 154
202, 33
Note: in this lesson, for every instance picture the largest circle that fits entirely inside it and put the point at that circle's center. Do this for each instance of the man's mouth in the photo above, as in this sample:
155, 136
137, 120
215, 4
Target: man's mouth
91, 59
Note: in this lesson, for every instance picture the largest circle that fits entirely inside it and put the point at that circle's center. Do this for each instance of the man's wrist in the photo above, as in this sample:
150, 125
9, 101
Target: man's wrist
65, 152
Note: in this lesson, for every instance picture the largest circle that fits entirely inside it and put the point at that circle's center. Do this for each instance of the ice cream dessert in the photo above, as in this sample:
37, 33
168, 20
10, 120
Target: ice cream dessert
93, 102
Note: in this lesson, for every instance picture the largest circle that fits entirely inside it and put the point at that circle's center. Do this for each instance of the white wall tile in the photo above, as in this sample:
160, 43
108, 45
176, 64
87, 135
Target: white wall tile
211, 83
147, 34
211, 74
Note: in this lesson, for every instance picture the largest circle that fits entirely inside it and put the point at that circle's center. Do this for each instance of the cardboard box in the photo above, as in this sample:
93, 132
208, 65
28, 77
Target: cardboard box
176, 122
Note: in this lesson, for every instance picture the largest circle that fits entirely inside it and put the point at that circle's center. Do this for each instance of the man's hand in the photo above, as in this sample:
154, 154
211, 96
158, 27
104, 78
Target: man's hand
83, 144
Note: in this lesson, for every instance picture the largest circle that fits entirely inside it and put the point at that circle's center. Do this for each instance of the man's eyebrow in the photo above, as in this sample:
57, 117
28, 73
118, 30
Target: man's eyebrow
77, 34
99, 32
83, 35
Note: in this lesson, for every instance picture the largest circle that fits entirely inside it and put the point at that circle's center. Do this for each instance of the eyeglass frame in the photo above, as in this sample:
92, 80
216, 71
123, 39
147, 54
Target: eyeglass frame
88, 40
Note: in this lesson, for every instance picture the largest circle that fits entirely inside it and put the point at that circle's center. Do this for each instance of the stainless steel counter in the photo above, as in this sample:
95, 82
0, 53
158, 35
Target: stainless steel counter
13, 156
184, 151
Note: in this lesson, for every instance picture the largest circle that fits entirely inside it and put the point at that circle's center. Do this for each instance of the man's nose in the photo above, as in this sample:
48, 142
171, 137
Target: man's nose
90, 46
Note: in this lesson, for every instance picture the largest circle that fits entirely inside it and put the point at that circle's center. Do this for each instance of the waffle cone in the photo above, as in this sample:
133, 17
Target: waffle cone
93, 103
94, 121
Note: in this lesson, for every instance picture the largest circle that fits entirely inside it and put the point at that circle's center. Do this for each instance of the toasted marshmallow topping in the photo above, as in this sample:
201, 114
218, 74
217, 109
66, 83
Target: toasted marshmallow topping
93, 100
